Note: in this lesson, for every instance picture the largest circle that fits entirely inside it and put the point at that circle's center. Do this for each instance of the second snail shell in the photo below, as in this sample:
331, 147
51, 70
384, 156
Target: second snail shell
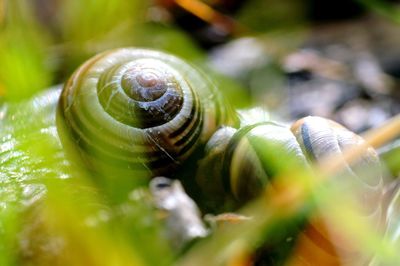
240, 164
139, 111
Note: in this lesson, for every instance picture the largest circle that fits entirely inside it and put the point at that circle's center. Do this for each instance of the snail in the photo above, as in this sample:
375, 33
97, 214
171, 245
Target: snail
240, 163
138, 112
111, 113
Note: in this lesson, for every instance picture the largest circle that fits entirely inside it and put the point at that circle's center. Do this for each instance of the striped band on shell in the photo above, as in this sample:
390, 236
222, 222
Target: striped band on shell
361, 178
240, 164
139, 110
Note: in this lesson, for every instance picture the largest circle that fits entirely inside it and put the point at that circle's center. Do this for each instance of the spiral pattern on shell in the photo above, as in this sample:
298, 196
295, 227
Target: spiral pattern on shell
319, 138
238, 155
139, 110
241, 163
361, 177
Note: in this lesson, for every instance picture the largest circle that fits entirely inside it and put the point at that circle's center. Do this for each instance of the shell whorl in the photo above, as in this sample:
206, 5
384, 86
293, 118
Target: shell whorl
309, 140
139, 110
240, 163
321, 137
362, 178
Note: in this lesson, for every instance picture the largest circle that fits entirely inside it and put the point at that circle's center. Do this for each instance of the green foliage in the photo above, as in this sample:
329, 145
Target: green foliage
23, 53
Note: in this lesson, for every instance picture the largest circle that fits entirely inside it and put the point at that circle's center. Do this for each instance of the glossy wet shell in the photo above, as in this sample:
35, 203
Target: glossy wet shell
240, 163
243, 162
324, 242
139, 111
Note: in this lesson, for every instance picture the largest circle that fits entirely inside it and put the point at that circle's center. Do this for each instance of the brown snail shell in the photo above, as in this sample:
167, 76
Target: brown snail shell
138, 111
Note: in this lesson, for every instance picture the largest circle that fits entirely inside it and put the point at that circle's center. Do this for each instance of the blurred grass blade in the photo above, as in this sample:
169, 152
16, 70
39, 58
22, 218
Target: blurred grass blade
23, 54
384, 8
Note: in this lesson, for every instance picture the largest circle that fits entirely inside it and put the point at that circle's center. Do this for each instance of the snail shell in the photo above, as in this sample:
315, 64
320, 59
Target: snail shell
240, 163
323, 242
138, 111
238, 155
321, 137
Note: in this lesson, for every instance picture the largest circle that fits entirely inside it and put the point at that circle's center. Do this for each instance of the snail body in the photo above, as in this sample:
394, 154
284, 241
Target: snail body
139, 111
